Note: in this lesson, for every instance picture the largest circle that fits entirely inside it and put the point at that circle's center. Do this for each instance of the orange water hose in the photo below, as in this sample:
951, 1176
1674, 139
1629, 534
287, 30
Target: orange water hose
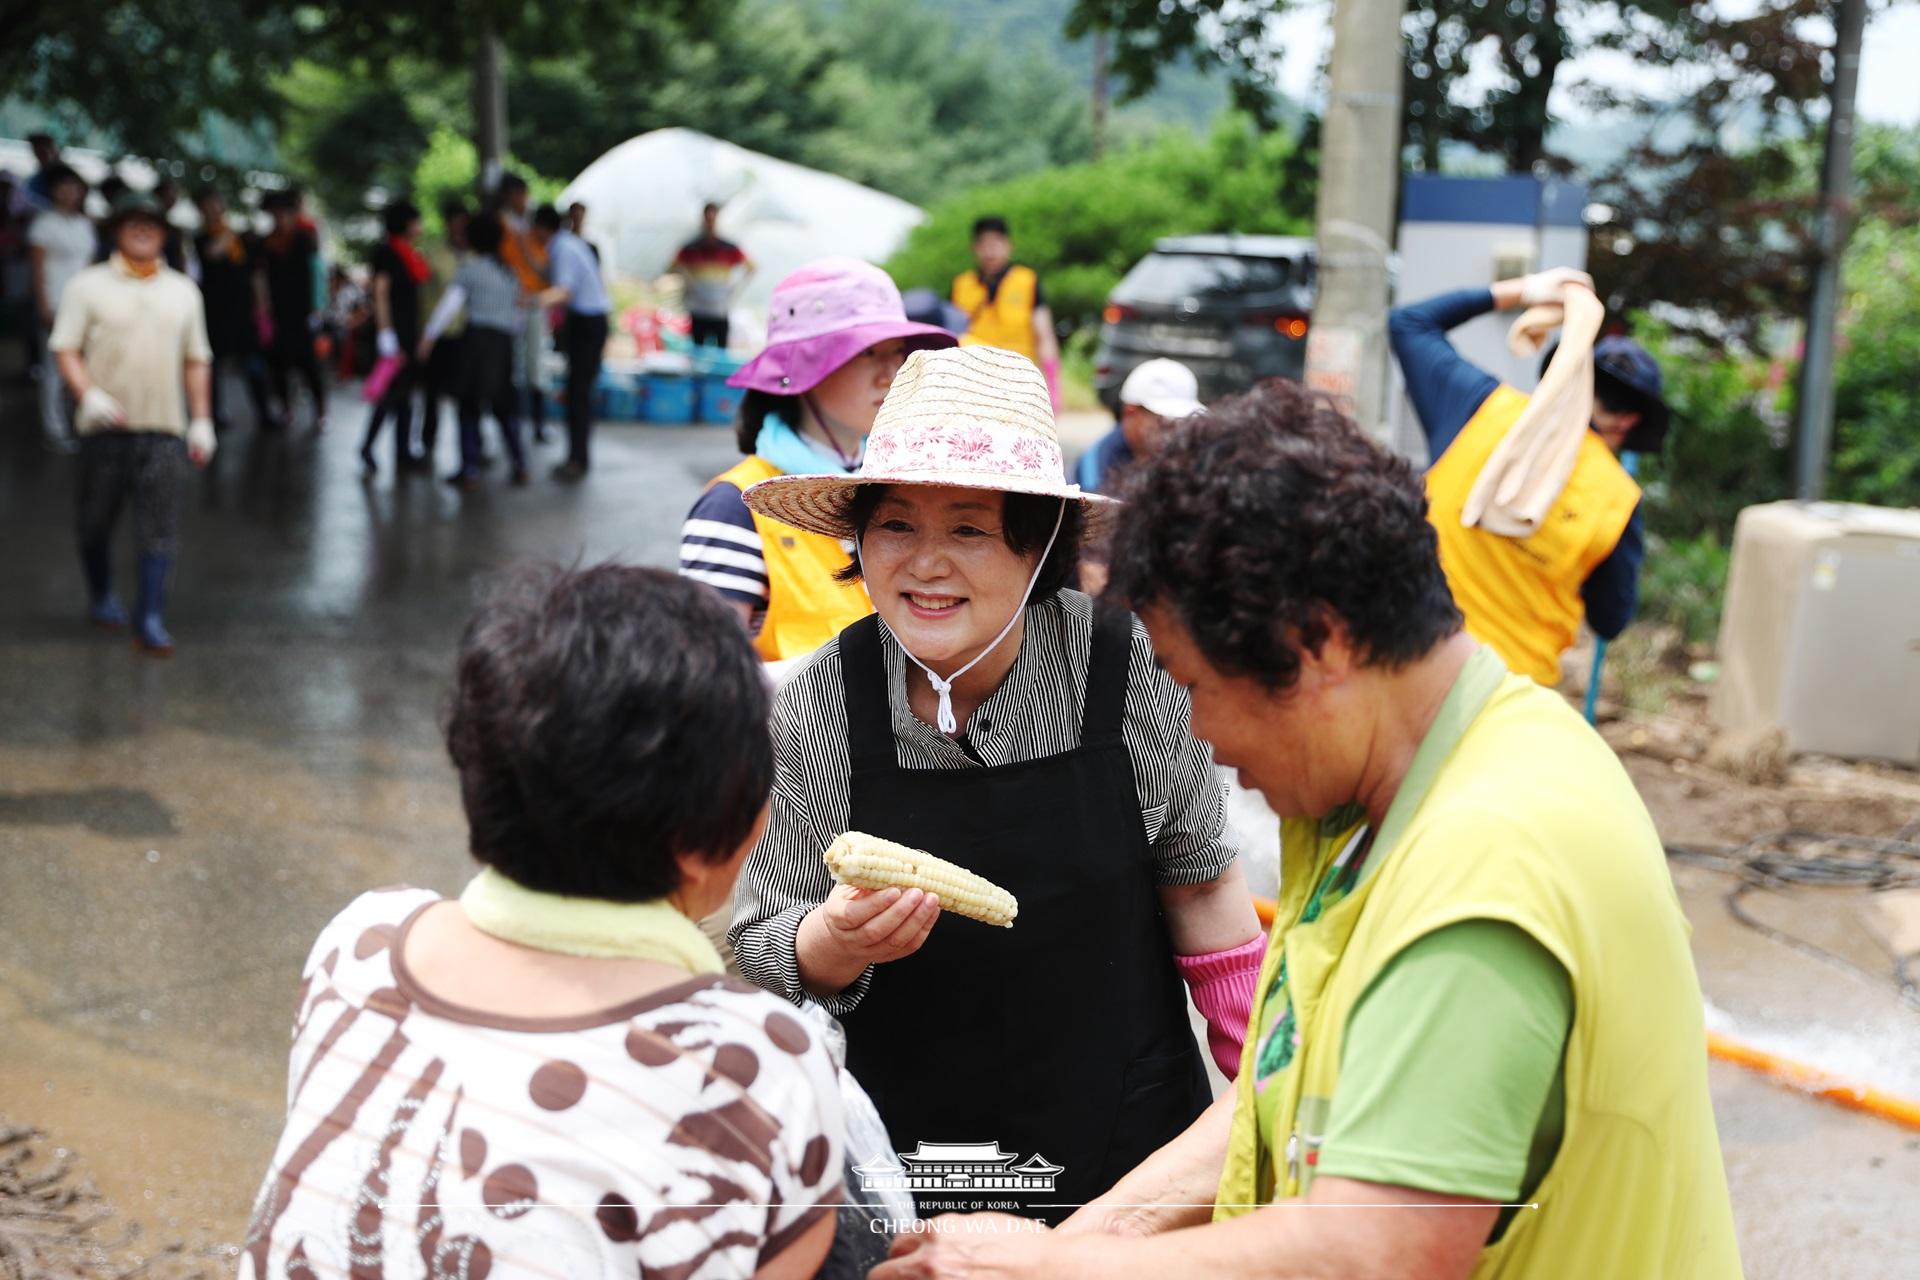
1822, 1084
1797, 1075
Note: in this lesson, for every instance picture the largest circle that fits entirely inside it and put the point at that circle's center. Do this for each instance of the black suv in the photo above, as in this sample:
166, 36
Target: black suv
1232, 308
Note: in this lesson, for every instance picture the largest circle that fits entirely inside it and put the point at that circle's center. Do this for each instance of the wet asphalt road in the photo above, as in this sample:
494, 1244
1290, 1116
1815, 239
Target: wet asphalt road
174, 832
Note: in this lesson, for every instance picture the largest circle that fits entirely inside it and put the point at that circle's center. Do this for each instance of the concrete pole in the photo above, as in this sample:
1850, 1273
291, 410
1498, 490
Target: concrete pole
489, 111
1814, 431
1359, 180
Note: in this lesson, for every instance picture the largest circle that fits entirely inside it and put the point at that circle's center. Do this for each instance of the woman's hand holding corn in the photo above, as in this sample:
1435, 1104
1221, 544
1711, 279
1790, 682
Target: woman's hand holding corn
854, 928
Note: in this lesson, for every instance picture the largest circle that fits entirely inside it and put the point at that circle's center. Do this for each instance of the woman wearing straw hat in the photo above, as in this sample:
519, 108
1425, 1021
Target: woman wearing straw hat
836, 334
995, 719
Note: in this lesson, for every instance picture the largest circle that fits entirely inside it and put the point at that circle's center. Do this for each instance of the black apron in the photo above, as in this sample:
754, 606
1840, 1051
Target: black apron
1065, 1037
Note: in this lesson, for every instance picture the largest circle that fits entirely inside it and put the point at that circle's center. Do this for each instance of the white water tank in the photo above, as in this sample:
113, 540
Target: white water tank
1821, 631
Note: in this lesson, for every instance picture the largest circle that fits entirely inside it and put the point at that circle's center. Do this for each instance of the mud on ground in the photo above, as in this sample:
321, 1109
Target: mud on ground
54, 1223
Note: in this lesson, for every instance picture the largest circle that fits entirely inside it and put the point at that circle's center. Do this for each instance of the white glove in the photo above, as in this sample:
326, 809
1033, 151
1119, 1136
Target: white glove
97, 409
1546, 286
387, 344
200, 441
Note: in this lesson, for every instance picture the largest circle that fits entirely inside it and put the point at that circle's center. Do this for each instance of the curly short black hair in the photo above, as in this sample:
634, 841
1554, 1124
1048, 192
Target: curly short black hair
1268, 517
1026, 522
602, 721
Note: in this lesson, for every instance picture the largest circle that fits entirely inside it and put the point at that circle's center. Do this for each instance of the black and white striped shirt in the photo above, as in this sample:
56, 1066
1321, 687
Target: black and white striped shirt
1035, 712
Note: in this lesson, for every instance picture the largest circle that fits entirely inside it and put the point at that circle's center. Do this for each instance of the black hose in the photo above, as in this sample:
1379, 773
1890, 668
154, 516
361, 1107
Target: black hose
1777, 860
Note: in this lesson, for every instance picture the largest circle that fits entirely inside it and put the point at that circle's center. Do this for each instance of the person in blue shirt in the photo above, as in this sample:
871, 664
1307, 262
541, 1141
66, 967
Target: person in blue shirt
1448, 392
1155, 395
574, 270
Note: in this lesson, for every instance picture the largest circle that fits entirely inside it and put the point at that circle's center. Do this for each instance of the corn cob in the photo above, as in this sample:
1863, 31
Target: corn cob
868, 862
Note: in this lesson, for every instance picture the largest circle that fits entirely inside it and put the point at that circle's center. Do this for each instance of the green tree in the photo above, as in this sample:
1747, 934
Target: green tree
1876, 449
147, 75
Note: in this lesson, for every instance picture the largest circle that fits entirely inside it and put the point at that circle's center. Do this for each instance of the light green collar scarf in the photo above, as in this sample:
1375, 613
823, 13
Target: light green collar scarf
587, 926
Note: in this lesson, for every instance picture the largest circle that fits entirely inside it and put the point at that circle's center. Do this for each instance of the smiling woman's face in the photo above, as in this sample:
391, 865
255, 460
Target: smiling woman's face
942, 577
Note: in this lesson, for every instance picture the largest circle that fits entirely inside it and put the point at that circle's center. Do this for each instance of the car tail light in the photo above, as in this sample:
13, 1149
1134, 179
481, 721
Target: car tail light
1115, 313
1287, 324
1102, 370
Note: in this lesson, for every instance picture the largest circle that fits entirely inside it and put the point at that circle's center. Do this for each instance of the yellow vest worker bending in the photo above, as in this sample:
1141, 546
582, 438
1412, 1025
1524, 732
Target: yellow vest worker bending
1526, 597
1477, 1041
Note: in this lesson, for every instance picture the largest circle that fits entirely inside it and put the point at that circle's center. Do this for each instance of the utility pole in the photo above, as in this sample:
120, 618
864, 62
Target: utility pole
1814, 431
489, 110
1359, 179
1099, 92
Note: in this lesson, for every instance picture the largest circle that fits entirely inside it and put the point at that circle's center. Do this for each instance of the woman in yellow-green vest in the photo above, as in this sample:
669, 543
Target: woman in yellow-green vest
1478, 995
1526, 597
836, 335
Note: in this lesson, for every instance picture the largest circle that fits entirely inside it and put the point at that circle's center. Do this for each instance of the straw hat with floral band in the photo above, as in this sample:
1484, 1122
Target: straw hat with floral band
965, 418
820, 317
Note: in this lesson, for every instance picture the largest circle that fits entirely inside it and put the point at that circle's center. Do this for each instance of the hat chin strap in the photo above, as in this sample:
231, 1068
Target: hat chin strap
944, 688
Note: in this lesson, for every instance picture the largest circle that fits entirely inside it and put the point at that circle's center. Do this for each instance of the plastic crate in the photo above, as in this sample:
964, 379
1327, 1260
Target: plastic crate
712, 361
616, 398
667, 398
718, 401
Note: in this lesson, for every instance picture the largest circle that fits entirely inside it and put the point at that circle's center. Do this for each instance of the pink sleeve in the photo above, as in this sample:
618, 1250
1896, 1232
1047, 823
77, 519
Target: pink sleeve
1223, 984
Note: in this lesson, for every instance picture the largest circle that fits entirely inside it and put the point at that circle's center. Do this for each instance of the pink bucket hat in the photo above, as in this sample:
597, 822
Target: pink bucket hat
824, 315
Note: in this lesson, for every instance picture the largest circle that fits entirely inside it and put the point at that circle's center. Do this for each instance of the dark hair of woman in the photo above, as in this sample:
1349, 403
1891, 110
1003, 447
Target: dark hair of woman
602, 721
1266, 519
1026, 521
484, 234
755, 406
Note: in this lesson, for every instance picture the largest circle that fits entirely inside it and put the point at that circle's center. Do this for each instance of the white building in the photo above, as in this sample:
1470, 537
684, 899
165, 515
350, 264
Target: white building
958, 1166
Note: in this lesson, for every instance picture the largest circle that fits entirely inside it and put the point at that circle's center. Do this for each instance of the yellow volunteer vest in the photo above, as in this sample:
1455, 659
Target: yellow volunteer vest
1531, 820
1522, 595
1007, 320
805, 606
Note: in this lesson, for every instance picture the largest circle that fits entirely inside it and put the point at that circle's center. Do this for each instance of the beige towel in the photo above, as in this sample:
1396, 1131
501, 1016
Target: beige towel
1530, 466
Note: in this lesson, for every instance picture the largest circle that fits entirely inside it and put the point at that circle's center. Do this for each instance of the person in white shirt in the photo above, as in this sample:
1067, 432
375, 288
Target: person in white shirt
575, 272
128, 333
61, 241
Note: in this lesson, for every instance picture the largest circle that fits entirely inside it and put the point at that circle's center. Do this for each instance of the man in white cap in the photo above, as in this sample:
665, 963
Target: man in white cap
1155, 395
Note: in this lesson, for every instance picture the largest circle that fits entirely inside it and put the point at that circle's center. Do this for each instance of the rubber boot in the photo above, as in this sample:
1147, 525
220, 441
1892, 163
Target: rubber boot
103, 607
149, 633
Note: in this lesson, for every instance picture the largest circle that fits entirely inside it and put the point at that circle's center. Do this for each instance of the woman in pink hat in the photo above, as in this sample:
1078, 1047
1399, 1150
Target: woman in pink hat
836, 335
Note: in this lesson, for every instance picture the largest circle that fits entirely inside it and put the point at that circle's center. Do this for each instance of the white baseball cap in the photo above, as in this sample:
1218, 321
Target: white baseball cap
1164, 387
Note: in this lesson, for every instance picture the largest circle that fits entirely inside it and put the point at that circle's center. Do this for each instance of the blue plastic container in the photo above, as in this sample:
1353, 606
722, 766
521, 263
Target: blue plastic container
669, 398
718, 401
622, 398
714, 361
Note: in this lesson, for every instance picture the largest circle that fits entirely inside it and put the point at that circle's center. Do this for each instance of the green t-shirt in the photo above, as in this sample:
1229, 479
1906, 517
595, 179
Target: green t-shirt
1451, 1067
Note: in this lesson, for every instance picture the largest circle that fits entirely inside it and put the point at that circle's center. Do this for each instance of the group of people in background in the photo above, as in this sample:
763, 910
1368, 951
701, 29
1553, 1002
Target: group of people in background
466, 316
